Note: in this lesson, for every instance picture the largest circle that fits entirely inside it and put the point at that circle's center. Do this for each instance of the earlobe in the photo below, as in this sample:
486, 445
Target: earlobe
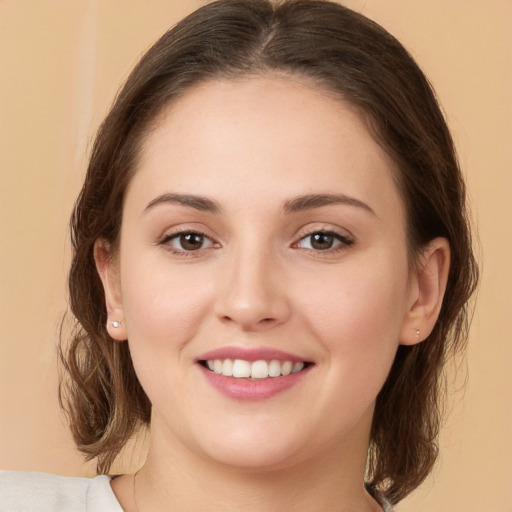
107, 266
426, 292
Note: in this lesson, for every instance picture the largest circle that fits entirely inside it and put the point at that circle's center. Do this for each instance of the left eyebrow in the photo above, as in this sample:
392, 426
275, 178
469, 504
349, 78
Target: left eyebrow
197, 202
311, 201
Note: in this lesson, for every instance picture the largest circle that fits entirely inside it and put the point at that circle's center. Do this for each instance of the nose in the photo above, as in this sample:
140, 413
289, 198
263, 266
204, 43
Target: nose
251, 293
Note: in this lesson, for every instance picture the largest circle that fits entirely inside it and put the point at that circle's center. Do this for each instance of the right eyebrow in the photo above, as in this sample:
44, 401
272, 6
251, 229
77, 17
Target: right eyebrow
197, 202
312, 201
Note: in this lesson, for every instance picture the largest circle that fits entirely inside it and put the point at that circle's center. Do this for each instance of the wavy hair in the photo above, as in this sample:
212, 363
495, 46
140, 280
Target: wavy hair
342, 52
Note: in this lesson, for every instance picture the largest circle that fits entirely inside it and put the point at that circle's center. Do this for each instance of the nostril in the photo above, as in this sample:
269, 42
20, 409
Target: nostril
267, 320
250, 323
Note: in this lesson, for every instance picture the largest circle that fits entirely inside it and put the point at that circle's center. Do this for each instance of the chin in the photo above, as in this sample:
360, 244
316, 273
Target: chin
256, 449
254, 459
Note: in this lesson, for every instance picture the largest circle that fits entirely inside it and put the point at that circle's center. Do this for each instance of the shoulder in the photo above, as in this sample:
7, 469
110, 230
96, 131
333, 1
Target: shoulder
34, 492
41, 492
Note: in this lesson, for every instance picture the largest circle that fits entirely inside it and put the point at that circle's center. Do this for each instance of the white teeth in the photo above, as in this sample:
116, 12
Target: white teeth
297, 367
241, 369
286, 368
274, 368
259, 370
217, 366
227, 368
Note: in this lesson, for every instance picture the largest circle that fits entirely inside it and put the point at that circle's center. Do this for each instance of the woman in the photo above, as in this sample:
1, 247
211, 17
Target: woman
272, 262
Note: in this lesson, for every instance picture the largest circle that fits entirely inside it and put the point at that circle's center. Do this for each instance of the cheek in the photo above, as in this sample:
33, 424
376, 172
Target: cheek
163, 305
164, 308
358, 314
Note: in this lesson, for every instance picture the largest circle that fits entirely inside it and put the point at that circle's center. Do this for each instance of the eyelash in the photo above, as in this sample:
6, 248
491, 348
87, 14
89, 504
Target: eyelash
343, 242
168, 239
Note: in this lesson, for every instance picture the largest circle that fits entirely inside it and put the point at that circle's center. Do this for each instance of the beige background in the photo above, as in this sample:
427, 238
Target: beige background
61, 62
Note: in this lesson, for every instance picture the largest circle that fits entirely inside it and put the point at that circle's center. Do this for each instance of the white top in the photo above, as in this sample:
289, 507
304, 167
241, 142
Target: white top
22, 491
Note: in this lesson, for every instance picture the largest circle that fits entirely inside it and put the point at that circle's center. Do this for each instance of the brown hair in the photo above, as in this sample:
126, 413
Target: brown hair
355, 58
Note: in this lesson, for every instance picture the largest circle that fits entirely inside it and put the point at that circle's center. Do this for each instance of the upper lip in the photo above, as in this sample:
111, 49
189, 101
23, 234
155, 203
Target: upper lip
250, 354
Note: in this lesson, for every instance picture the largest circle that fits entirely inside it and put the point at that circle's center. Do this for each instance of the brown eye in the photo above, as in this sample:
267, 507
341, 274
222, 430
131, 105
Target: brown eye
191, 241
188, 241
323, 241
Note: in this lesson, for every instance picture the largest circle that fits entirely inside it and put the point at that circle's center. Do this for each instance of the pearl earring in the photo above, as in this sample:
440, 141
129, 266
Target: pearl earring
115, 324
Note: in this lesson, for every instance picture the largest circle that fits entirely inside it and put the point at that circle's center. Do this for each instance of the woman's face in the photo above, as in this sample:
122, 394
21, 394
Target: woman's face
261, 232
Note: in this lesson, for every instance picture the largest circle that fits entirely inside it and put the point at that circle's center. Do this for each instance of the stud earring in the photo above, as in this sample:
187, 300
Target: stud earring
115, 324
417, 333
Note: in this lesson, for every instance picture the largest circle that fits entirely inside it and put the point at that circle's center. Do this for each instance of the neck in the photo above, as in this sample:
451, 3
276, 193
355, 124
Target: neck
176, 480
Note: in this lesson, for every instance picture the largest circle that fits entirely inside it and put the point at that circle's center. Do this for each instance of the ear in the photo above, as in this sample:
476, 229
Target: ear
426, 292
107, 265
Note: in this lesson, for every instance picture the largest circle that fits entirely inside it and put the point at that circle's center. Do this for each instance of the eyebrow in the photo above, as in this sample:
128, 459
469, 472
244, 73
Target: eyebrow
311, 201
197, 202
297, 204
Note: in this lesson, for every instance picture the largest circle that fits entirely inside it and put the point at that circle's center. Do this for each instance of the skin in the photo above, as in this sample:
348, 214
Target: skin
253, 146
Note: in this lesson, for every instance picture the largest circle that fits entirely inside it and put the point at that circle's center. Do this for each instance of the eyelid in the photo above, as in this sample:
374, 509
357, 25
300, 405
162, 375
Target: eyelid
179, 228
166, 238
345, 238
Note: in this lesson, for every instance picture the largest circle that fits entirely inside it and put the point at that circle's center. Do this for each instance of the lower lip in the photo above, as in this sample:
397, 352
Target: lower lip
260, 389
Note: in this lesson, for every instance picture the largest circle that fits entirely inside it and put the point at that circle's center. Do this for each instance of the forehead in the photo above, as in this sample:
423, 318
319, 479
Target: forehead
266, 135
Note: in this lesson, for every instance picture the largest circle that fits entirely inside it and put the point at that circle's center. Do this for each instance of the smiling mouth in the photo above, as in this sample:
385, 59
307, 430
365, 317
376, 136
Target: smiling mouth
253, 370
